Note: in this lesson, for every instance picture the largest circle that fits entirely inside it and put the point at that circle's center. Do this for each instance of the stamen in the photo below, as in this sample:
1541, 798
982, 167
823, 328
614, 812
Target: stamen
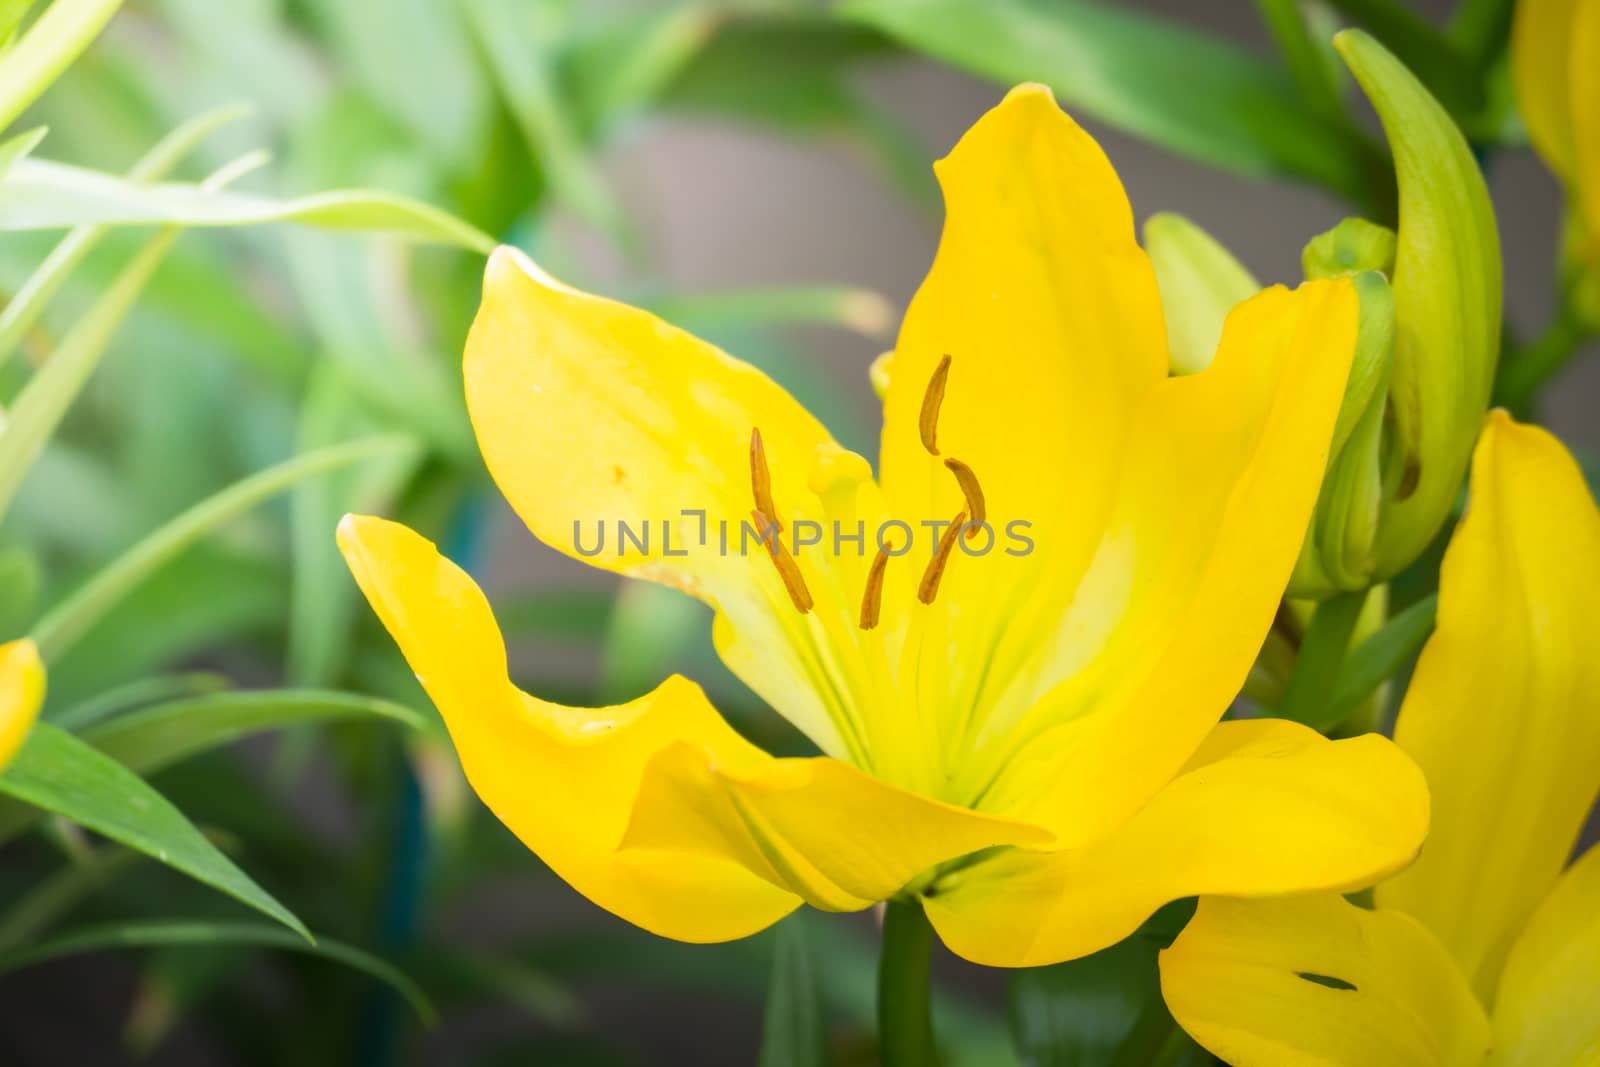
928, 588
760, 479
928, 423
872, 599
788, 570
971, 490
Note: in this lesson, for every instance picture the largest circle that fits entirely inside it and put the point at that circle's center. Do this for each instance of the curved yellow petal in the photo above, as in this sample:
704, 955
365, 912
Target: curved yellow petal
1214, 499
817, 827
1314, 981
1541, 52
22, 683
591, 412
1265, 807
562, 779
1503, 711
1049, 312
1546, 1010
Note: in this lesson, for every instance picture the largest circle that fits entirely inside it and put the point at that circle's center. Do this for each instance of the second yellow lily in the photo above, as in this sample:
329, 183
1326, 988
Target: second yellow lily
1021, 733
1484, 951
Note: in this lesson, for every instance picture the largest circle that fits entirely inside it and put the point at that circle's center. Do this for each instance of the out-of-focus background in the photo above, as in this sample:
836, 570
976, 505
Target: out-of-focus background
714, 203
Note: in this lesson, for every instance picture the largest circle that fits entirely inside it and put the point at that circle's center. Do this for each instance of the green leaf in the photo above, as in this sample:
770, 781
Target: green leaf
148, 741
62, 774
28, 303
1197, 95
1377, 659
162, 688
45, 399
794, 1030
1429, 53
1200, 282
54, 40
19, 588
257, 935
1321, 654
1103, 1010
54, 896
520, 58
11, 13
19, 147
64, 624
41, 195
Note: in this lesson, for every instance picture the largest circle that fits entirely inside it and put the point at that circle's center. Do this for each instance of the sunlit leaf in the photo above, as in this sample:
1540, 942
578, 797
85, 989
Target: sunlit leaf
52, 42
794, 1031
41, 195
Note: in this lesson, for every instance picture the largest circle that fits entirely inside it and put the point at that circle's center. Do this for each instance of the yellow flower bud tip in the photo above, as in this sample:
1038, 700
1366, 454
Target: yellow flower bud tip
794, 583
928, 588
971, 490
872, 598
928, 421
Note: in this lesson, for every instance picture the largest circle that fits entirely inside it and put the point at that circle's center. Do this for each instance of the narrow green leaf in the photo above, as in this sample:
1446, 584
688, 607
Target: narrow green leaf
1377, 659
19, 147
161, 688
199, 932
148, 741
69, 620
44, 400
1321, 654
19, 588
54, 40
11, 12
59, 773
522, 66
794, 1030
28, 303
1197, 95
42, 195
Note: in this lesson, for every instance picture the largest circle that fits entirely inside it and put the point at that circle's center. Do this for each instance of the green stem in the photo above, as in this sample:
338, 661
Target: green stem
1316, 668
1524, 371
905, 1023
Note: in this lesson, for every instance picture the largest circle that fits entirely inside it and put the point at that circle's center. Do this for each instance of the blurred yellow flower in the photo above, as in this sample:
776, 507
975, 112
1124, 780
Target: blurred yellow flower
1483, 951
1027, 741
21, 694
1555, 63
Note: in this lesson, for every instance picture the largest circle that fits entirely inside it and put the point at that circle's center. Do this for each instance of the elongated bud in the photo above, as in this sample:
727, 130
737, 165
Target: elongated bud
1446, 295
1200, 282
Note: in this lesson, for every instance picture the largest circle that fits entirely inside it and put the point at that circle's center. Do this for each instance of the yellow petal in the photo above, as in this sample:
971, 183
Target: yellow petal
1265, 807
589, 411
1214, 500
1249, 980
1546, 1011
1503, 711
817, 827
21, 694
1541, 51
562, 779
1049, 312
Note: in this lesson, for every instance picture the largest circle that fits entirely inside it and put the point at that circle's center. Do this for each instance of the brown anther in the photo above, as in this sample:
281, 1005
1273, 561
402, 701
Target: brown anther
928, 588
760, 478
788, 570
928, 422
872, 599
971, 490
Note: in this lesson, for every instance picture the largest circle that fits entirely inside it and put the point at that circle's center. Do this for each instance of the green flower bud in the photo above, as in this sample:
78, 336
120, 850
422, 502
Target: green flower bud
1200, 282
1353, 245
1446, 290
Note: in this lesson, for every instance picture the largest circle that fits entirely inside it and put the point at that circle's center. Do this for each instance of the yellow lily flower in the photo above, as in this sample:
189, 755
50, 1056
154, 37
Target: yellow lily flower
1483, 951
1555, 66
1028, 741
21, 695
